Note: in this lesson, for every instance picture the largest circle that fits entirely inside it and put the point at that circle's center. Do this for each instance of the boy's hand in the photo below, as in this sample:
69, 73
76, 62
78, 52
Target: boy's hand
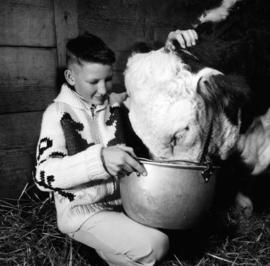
185, 38
117, 98
121, 160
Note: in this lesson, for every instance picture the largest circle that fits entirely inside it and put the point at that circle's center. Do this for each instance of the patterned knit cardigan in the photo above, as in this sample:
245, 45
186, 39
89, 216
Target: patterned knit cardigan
68, 158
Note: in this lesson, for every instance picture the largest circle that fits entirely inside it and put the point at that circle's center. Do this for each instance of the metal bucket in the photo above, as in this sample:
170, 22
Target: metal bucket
174, 194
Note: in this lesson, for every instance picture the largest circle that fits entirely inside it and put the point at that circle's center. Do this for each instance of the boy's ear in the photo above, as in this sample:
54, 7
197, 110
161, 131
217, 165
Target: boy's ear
69, 77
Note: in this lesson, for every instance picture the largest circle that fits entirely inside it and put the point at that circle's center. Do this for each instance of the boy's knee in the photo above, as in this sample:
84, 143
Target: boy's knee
153, 251
162, 247
146, 253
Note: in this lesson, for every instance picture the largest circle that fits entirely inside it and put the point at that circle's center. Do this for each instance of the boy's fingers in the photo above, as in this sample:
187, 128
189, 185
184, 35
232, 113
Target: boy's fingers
169, 46
172, 35
196, 36
131, 160
127, 169
136, 166
187, 38
169, 42
128, 150
123, 96
117, 97
193, 36
181, 40
177, 35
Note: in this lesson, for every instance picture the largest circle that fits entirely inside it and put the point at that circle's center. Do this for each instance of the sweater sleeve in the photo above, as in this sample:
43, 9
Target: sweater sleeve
55, 169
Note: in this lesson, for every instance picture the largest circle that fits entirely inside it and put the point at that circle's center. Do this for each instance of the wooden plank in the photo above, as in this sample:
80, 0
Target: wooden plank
19, 130
28, 78
121, 60
118, 81
169, 13
160, 34
27, 99
27, 23
16, 168
27, 67
66, 26
116, 10
119, 22
30, 3
118, 36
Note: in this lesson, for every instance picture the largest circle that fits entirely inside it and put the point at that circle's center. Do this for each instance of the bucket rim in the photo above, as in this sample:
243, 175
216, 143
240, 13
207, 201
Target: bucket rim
180, 164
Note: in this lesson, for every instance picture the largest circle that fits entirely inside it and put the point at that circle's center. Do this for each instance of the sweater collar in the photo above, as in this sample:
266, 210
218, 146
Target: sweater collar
68, 96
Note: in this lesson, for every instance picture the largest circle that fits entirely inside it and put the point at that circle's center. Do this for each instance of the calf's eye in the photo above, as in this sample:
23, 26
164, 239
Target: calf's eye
179, 136
173, 141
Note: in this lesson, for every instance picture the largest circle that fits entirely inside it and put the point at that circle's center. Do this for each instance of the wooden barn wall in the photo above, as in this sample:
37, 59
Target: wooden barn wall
32, 37
124, 23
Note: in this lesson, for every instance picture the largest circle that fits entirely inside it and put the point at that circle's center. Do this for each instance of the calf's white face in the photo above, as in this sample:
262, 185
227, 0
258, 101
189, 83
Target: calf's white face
170, 108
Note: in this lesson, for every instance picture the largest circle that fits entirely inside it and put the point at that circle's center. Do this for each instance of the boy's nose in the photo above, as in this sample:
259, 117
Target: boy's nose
102, 88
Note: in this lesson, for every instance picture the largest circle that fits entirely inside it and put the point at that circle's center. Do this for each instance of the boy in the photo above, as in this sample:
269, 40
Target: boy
76, 163
80, 159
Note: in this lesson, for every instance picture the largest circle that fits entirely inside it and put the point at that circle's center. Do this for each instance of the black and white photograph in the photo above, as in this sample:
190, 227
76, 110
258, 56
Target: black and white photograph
134, 132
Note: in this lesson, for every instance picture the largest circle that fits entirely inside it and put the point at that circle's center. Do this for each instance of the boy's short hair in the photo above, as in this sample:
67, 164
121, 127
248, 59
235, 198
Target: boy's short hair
88, 48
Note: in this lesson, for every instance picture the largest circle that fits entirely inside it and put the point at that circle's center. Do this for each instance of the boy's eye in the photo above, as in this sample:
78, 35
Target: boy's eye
94, 82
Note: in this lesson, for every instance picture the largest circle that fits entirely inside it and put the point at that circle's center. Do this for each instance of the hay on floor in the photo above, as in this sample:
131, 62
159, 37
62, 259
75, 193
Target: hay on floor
29, 236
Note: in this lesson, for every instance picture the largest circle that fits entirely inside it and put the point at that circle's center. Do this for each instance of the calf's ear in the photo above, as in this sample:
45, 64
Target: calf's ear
224, 93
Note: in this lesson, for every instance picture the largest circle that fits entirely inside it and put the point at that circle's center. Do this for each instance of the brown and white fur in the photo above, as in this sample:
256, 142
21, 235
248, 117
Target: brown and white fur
183, 110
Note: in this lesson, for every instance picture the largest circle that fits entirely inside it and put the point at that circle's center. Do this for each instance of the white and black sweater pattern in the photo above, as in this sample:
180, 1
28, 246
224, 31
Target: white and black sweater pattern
68, 157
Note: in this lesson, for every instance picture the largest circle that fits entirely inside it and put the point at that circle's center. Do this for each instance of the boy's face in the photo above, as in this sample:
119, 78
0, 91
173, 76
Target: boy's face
92, 81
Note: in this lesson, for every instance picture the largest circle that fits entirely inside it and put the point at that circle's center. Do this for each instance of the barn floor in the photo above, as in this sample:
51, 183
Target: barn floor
28, 236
